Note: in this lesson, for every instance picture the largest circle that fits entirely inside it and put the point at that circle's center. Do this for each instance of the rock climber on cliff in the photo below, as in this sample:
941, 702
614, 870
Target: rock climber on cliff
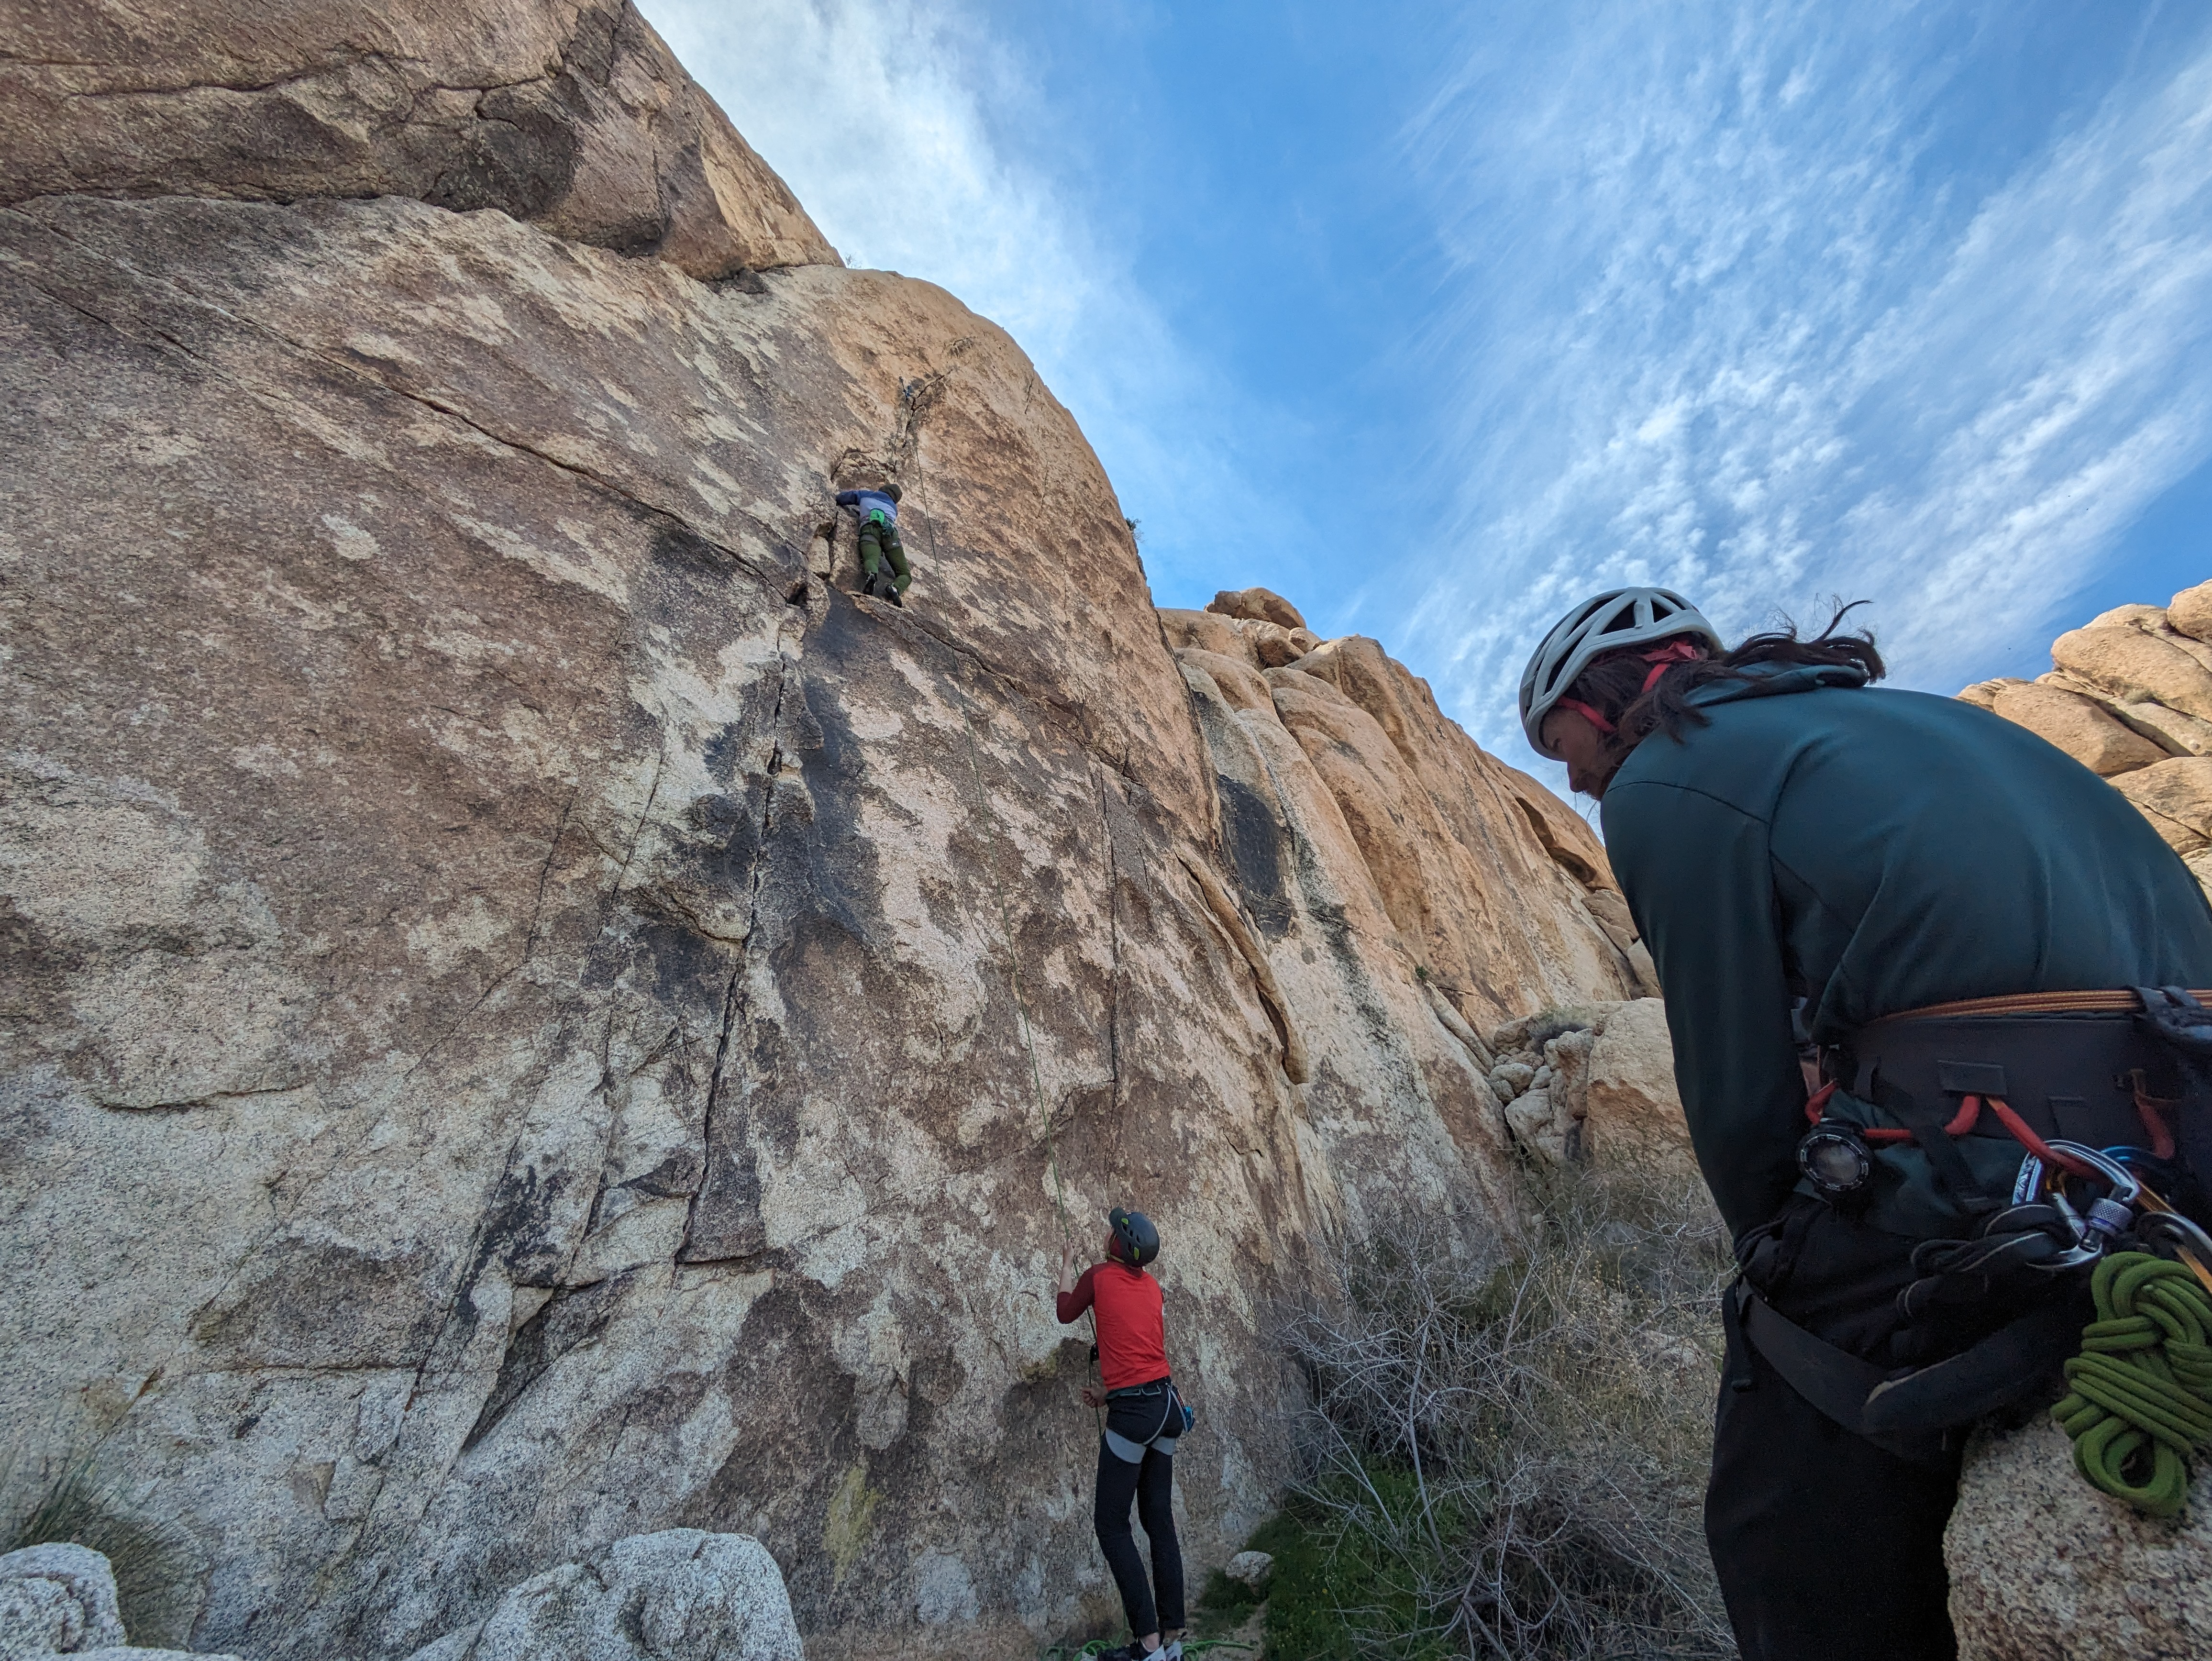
1815, 863
879, 542
1143, 1417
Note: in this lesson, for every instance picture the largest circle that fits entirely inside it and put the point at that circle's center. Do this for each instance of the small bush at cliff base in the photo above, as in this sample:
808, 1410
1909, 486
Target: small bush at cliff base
156, 1584
1508, 1460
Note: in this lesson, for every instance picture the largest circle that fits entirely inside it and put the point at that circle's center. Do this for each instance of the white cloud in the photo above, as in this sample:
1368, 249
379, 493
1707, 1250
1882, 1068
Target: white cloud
872, 110
905, 130
1724, 317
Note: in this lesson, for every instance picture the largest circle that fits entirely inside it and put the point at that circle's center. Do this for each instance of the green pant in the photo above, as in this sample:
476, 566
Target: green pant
879, 541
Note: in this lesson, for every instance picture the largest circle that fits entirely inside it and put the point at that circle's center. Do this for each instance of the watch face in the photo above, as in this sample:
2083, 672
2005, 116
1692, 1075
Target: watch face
1834, 1161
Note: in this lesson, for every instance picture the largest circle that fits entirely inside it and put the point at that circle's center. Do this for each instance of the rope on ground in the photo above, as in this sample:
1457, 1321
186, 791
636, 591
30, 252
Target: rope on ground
2141, 1400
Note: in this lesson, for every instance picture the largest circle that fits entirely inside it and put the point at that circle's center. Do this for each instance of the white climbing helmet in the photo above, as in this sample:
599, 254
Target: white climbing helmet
1610, 621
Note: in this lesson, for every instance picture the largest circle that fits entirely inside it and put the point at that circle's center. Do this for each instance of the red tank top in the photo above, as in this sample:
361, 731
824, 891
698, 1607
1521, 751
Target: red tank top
1132, 1329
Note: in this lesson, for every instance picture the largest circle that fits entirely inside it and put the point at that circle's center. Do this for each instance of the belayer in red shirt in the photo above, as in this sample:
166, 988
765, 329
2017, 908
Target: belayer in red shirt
1144, 1417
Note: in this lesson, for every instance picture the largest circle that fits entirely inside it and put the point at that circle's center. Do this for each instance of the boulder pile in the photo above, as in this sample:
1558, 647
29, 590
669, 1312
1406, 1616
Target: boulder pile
1593, 1081
2130, 698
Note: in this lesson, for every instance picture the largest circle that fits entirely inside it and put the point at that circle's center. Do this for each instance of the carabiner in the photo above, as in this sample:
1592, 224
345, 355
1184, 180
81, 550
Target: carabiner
2186, 1235
2126, 1188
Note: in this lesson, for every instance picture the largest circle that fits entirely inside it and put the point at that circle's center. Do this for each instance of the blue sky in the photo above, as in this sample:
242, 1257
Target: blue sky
1434, 318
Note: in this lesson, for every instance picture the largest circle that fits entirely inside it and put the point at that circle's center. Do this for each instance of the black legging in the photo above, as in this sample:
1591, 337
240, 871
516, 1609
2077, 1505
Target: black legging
1825, 1544
1151, 1483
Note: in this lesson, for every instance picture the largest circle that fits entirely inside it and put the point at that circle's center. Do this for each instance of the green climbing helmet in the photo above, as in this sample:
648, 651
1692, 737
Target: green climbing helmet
1140, 1241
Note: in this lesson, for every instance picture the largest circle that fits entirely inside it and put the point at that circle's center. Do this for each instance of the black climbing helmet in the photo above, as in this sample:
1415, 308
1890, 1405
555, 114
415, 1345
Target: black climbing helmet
892, 491
1140, 1241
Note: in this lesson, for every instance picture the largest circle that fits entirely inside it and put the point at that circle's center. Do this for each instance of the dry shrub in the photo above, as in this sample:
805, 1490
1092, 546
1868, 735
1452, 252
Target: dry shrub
1508, 1460
157, 1572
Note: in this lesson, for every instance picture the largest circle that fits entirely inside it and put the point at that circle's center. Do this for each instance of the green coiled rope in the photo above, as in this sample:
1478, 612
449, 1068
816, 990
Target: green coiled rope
2141, 1400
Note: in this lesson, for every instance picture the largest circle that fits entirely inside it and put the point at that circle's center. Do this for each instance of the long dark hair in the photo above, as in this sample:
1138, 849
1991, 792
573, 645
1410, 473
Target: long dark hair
1613, 684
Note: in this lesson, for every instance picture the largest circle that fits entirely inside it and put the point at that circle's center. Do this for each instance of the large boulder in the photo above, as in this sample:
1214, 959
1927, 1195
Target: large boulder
1205, 631
1632, 1106
574, 115
2083, 728
2172, 731
681, 1595
2176, 797
2133, 664
56, 1599
2132, 698
2044, 1567
1594, 1081
1259, 605
2190, 612
60, 1599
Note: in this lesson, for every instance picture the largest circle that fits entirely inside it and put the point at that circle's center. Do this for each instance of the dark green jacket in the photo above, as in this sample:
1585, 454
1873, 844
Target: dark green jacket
1872, 851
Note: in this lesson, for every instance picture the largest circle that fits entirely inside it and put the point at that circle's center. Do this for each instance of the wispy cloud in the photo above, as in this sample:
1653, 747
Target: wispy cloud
1725, 315
907, 130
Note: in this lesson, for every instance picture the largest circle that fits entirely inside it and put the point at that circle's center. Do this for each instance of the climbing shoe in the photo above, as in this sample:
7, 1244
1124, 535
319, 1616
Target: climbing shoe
892, 594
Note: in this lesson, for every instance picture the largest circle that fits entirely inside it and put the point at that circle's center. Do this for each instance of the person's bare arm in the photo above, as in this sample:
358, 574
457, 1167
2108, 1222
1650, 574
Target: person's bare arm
1067, 1266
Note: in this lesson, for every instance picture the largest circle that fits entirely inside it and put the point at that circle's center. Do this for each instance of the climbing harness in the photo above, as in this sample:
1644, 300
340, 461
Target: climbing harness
2074, 1207
2142, 1399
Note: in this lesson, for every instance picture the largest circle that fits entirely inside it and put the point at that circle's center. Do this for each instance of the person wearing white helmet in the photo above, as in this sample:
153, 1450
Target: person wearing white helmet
1823, 870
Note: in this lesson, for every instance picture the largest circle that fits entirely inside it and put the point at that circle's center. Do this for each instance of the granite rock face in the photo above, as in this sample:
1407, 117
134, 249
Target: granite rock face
2130, 698
538, 1016
2046, 1568
575, 116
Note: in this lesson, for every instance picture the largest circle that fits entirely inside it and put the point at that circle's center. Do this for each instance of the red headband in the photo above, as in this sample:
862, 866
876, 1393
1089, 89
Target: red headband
1661, 660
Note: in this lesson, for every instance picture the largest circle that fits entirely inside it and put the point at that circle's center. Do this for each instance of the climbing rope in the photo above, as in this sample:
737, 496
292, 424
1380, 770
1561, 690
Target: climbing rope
998, 889
921, 475
2142, 1384
1028, 1041
1021, 1005
983, 803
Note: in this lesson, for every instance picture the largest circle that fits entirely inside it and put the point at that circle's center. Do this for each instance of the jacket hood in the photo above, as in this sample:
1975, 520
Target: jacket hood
1769, 680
